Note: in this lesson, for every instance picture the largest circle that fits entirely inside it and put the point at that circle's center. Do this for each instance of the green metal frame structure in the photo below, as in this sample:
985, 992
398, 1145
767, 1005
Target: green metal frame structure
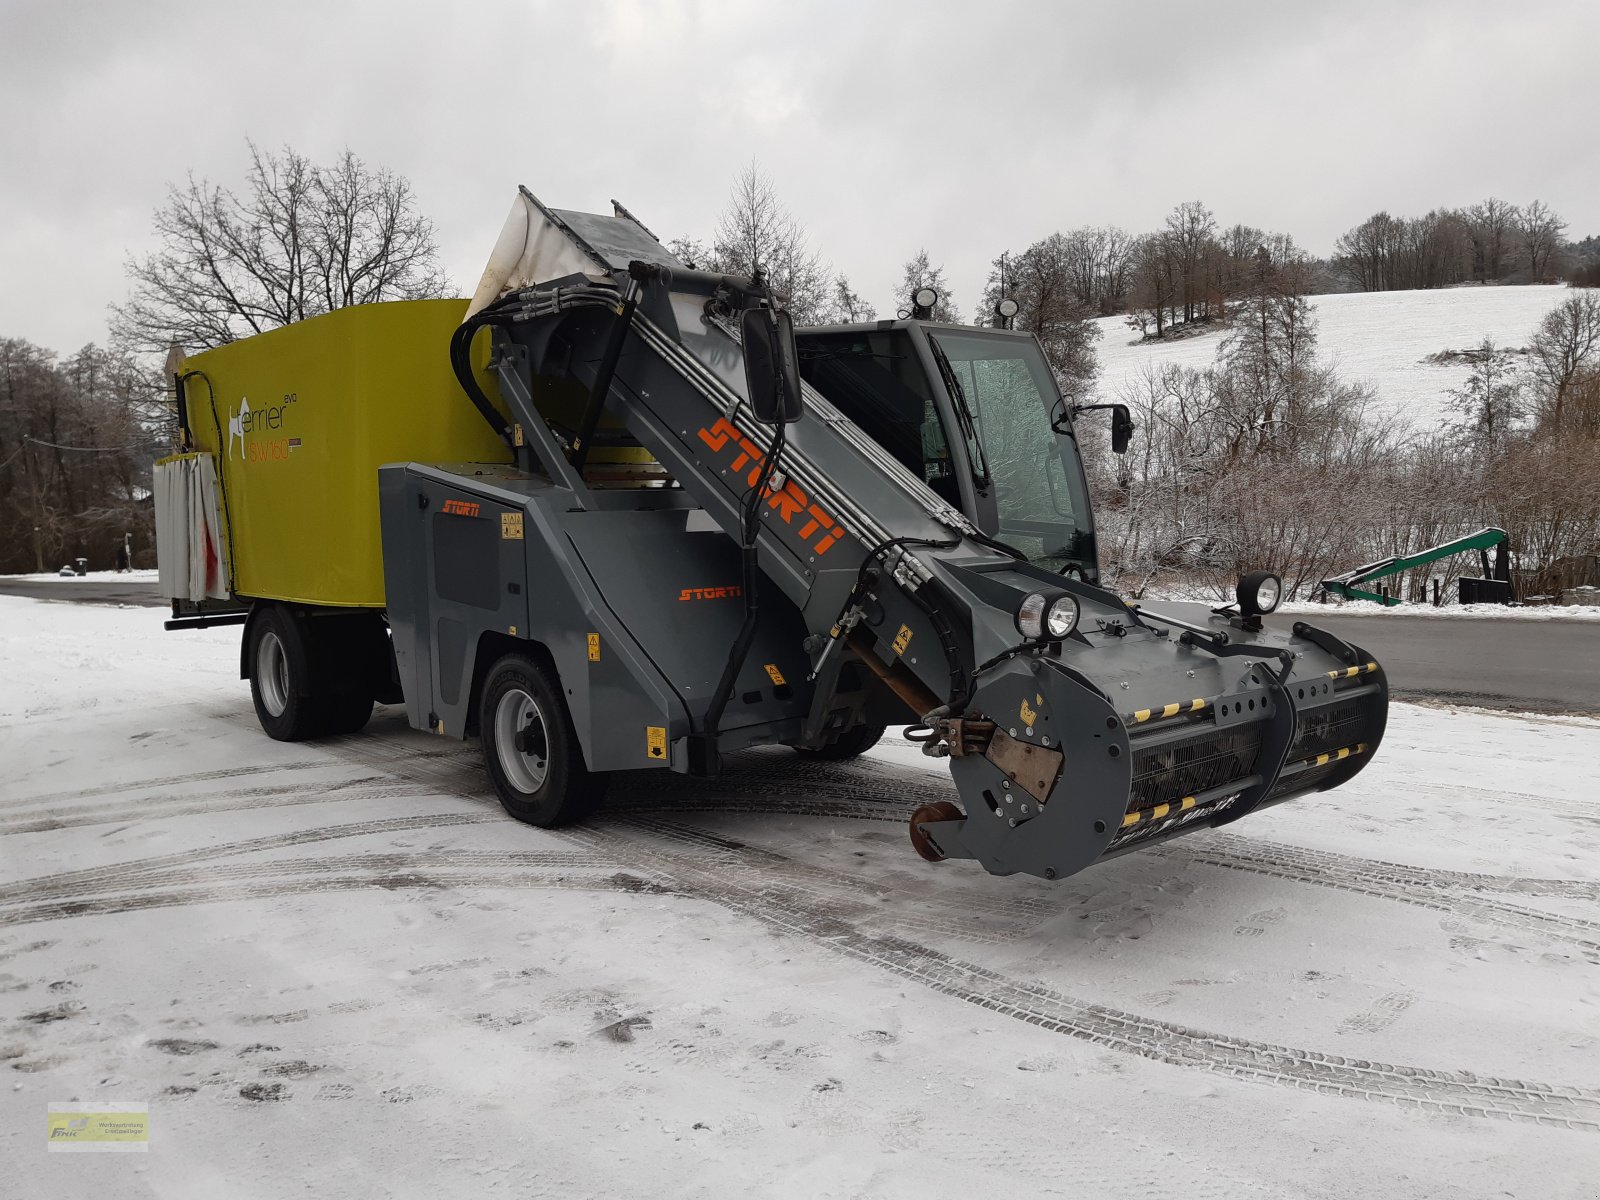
1344, 585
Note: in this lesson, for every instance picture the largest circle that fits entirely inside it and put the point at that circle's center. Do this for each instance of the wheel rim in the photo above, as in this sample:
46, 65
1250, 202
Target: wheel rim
272, 674
521, 740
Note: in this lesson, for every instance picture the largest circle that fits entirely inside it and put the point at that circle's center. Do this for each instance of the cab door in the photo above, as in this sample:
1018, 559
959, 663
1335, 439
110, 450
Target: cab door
885, 379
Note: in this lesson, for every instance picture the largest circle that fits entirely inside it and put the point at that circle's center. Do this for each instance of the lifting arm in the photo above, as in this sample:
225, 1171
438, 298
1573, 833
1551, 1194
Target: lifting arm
1344, 585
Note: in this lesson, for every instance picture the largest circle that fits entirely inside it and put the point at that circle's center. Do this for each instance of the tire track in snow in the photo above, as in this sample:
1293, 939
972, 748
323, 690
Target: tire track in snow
754, 882
89, 877
759, 786
338, 749
391, 862
1458, 893
369, 788
719, 875
405, 879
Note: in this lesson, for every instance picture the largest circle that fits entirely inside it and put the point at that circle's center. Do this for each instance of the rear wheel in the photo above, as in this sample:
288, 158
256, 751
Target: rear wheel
530, 748
278, 684
347, 712
852, 743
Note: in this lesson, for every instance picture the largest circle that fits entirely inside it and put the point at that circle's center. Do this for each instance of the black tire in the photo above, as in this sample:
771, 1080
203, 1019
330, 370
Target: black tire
346, 712
545, 781
852, 743
279, 683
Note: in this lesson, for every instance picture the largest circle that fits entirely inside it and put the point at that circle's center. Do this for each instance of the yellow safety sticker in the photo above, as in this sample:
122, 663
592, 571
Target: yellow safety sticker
774, 674
512, 630
1027, 712
594, 647
655, 740
511, 526
516, 433
902, 639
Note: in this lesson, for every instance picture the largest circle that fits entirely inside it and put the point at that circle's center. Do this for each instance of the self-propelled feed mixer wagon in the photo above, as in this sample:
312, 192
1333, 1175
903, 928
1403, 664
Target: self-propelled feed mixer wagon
615, 514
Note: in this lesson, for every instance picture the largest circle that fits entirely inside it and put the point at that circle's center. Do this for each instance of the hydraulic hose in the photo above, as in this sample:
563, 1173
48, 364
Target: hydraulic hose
526, 305
750, 575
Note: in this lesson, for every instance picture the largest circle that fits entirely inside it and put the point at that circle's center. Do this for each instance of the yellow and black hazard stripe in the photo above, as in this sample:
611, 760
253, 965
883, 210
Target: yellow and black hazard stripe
1352, 672
1145, 816
1168, 710
1339, 755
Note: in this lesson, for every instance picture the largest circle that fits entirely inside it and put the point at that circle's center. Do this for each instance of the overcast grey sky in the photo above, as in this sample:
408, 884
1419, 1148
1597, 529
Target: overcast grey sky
968, 128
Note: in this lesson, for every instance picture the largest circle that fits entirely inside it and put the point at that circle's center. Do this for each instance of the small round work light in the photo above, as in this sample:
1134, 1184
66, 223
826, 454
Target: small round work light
1030, 615
1062, 618
1259, 593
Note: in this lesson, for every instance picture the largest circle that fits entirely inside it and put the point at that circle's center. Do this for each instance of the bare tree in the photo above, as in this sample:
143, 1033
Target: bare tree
756, 230
1565, 347
1191, 231
1386, 253
1098, 262
303, 239
917, 273
1541, 231
848, 306
1492, 226
1046, 281
693, 253
1156, 286
74, 456
1490, 403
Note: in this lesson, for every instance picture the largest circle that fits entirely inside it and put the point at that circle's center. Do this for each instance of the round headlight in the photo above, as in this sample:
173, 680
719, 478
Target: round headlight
1006, 308
925, 298
1259, 592
1062, 618
1030, 615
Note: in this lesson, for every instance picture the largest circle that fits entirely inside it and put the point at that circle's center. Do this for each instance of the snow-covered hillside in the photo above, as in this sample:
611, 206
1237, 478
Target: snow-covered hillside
1379, 337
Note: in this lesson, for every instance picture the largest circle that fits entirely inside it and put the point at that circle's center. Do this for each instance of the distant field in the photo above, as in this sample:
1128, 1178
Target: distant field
1380, 337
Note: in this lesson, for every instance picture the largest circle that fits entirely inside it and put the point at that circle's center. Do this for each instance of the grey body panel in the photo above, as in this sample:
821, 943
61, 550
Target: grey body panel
642, 580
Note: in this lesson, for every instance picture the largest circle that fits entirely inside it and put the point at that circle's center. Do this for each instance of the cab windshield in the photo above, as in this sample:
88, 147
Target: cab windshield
1037, 478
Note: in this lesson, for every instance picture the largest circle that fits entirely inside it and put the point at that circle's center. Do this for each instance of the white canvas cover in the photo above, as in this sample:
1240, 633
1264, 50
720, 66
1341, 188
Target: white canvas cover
530, 250
190, 549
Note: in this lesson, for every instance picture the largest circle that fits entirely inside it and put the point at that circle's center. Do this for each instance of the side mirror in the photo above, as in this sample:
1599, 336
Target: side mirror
771, 365
1121, 428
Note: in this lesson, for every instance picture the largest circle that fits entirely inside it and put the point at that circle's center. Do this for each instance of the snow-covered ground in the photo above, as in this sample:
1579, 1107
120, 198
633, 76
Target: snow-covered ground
1488, 612
337, 969
93, 576
1380, 337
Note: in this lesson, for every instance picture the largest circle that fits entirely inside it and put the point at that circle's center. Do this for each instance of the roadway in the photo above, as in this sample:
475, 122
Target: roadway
1550, 666
1514, 663
89, 589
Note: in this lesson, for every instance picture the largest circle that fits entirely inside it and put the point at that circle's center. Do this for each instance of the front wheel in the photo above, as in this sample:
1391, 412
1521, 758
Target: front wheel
530, 748
852, 743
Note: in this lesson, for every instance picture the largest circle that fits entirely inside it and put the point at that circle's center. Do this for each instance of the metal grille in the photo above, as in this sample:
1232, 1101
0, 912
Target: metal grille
1306, 781
1330, 728
1166, 774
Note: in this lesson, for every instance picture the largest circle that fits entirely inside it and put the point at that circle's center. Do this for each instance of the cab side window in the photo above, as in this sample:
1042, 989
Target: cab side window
874, 378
